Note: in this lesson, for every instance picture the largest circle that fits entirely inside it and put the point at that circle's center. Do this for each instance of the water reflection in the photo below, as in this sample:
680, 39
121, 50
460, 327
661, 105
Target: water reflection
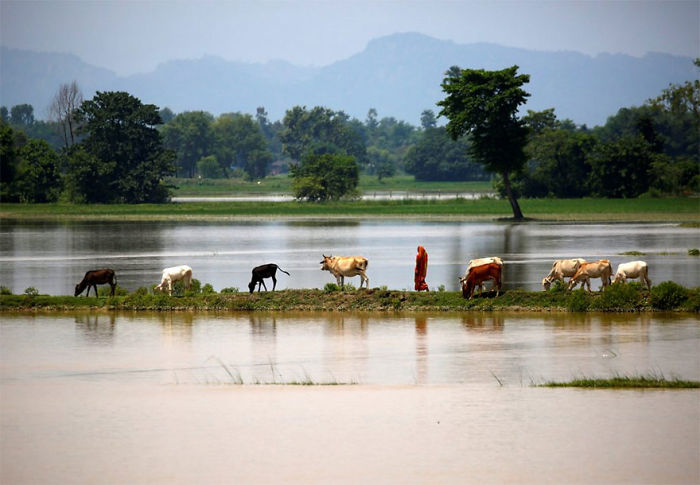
339, 347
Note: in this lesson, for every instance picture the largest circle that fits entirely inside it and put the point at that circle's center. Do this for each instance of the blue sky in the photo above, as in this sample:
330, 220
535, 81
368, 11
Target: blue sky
135, 36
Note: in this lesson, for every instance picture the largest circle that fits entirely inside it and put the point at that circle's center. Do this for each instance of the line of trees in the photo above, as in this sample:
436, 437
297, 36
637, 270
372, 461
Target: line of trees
113, 148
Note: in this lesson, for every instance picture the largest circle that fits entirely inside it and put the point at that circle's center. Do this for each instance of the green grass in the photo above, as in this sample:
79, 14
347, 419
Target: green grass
638, 210
626, 382
282, 184
619, 298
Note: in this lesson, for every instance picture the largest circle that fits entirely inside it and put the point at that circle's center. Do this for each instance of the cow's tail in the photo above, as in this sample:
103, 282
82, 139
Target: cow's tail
282, 270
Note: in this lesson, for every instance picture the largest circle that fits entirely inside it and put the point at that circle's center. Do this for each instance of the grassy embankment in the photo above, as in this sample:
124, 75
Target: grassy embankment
584, 210
618, 298
282, 185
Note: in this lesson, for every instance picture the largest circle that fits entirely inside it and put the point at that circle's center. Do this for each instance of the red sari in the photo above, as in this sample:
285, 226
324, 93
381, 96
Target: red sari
421, 269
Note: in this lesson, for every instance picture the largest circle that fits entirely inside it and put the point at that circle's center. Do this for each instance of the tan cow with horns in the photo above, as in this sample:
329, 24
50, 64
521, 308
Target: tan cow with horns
342, 266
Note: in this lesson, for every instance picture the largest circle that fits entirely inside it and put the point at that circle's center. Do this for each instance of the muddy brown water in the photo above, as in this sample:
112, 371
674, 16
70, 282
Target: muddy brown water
53, 257
421, 398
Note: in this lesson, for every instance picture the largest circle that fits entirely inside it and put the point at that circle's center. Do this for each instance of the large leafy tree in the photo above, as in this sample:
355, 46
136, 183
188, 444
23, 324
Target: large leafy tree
121, 137
305, 130
38, 177
190, 136
484, 104
239, 142
325, 176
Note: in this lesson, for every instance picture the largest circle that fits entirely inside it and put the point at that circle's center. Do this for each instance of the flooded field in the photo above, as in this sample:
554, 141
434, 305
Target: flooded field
53, 257
427, 398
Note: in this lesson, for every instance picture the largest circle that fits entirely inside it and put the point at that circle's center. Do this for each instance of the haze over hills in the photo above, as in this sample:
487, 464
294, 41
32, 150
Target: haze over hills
398, 75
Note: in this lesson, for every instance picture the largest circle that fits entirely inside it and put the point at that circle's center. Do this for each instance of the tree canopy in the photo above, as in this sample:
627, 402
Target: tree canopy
484, 105
124, 148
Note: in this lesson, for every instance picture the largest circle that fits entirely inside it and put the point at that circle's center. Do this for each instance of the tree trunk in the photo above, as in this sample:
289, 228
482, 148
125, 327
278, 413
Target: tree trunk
517, 213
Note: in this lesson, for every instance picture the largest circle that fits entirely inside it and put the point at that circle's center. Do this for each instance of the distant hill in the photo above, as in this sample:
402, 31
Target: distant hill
398, 75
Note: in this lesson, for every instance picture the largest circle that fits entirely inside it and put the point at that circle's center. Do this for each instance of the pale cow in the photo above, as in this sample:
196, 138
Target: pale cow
633, 269
562, 268
596, 269
480, 262
342, 266
171, 275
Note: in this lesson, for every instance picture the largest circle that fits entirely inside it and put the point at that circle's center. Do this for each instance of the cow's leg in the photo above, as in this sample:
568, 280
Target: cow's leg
112, 286
341, 281
274, 282
498, 286
262, 282
647, 280
88, 291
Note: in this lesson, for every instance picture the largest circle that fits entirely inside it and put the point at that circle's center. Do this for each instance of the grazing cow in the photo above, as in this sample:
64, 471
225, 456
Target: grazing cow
176, 273
478, 275
597, 269
633, 269
560, 269
94, 278
264, 271
479, 262
342, 266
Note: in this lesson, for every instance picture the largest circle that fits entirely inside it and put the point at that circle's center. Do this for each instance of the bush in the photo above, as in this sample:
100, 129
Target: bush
230, 289
5, 290
579, 301
106, 291
694, 252
668, 295
618, 296
331, 287
208, 289
31, 291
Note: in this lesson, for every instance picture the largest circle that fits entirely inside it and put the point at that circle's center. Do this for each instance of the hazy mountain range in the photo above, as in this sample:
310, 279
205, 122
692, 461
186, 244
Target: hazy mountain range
398, 75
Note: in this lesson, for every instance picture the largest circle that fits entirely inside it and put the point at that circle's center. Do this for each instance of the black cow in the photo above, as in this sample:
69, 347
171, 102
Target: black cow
264, 271
94, 278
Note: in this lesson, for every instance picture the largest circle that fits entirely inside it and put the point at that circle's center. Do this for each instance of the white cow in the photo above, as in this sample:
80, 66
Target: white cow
480, 262
633, 269
342, 266
596, 269
176, 273
560, 269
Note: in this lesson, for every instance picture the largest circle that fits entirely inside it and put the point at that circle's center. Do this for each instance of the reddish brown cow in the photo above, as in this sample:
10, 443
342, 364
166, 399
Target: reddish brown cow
94, 278
479, 274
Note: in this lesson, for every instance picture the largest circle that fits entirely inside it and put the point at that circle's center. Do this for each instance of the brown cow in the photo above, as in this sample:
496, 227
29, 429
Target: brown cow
94, 278
479, 274
596, 269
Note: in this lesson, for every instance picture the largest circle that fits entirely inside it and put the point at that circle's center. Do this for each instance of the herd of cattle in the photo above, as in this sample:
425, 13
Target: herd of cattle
479, 271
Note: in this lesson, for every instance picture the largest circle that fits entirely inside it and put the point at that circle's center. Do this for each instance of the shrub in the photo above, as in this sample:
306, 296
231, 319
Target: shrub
230, 289
141, 291
5, 290
106, 291
31, 291
558, 287
694, 252
441, 288
208, 289
668, 295
579, 301
331, 287
618, 296
692, 304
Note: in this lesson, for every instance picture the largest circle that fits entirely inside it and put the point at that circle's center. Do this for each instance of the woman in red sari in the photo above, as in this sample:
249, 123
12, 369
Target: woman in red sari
421, 269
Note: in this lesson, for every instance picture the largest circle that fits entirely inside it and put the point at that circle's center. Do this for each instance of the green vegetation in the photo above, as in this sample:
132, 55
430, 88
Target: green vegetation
627, 382
619, 298
282, 184
677, 209
483, 104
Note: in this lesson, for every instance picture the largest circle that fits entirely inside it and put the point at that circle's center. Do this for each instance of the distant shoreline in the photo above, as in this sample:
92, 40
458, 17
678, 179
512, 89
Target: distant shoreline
669, 210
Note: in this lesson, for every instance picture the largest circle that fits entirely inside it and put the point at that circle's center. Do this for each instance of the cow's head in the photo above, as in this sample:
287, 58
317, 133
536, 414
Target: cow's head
325, 264
251, 286
546, 284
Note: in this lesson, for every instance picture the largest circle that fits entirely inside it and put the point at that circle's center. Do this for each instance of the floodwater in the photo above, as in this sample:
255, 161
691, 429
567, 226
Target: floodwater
425, 398
53, 257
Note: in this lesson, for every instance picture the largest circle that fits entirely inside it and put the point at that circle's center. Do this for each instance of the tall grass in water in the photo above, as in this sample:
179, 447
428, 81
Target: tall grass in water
650, 381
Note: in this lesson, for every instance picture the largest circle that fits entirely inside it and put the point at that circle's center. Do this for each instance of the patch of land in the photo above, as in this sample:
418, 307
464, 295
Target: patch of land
679, 210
